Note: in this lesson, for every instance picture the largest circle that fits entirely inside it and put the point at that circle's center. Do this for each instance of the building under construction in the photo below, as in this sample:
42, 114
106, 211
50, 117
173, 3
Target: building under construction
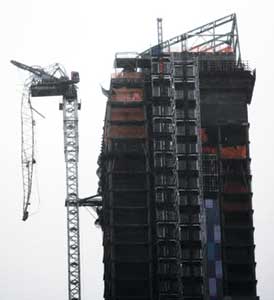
174, 171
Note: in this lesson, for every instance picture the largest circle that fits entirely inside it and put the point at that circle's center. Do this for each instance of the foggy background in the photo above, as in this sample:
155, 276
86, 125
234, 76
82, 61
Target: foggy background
84, 36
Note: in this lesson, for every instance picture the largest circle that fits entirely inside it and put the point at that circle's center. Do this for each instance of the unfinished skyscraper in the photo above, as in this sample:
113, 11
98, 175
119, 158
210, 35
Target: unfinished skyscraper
175, 171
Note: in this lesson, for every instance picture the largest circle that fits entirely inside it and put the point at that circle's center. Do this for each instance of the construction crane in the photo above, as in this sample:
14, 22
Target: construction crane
55, 82
206, 38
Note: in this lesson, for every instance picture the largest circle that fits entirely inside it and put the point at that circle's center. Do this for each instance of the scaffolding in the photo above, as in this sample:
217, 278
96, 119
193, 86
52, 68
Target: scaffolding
168, 248
126, 191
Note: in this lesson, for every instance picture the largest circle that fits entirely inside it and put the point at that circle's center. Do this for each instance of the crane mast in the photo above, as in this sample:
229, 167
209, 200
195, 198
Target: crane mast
160, 30
48, 84
71, 150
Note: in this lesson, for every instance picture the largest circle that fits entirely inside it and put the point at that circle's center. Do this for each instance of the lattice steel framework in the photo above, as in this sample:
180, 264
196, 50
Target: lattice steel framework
164, 157
218, 36
71, 149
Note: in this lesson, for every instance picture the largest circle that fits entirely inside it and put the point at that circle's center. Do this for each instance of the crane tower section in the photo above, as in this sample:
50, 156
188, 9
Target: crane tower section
55, 82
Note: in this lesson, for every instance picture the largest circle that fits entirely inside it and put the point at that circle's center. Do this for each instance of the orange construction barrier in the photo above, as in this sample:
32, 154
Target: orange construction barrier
161, 67
227, 49
233, 152
124, 94
128, 75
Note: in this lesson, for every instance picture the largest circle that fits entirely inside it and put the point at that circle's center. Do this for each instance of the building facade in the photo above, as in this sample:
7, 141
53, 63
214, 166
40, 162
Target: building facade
175, 172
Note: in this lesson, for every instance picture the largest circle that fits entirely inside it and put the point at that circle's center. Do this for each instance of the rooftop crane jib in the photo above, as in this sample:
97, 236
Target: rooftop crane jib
205, 38
46, 83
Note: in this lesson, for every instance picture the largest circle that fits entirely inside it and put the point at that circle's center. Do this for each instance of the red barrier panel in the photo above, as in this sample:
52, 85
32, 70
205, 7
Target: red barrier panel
209, 150
233, 152
128, 75
124, 94
127, 114
127, 131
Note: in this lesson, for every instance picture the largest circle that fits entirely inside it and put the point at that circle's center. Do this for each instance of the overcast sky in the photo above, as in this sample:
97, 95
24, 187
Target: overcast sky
84, 36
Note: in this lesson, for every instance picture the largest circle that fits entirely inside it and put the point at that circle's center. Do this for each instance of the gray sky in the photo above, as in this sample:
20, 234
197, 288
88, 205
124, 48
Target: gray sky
84, 37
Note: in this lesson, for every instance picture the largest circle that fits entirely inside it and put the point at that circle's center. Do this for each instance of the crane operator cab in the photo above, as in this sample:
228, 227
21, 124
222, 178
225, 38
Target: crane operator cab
75, 78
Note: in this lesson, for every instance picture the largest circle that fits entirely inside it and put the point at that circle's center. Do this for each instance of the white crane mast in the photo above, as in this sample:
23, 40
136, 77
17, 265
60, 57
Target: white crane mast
53, 83
71, 149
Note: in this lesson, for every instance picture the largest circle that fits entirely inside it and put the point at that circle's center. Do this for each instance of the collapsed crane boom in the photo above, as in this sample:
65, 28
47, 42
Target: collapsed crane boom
36, 71
27, 150
56, 83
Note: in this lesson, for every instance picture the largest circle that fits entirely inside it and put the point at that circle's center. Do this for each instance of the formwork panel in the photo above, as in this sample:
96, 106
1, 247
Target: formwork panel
130, 199
130, 146
239, 254
132, 288
130, 234
128, 75
128, 164
131, 252
236, 204
130, 216
238, 236
127, 95
127, 131
132, 271
121, 181
225, 112
127, 114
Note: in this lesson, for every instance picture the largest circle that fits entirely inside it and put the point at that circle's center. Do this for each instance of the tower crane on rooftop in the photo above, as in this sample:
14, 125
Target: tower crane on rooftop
204, 39
55, 82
